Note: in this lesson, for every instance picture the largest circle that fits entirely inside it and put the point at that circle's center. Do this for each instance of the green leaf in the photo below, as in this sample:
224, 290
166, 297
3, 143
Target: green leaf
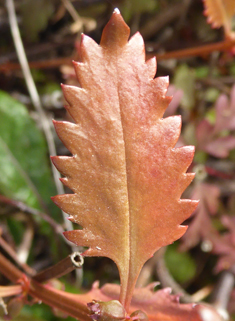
35, 16
132, 7
24, 169
185, 79
180, 264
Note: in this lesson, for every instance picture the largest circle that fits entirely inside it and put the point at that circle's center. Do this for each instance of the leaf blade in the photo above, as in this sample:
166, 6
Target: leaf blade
25, 174
125, 172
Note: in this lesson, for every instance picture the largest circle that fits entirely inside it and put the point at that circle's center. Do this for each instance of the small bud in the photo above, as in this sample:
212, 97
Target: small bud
107, 311
14, 307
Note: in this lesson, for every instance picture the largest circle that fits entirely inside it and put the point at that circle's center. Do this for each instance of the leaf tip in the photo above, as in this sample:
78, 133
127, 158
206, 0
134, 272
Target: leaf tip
116, 32
116, 10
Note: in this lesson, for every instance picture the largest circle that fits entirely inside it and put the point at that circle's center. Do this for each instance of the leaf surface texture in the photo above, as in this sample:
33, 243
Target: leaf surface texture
125, 173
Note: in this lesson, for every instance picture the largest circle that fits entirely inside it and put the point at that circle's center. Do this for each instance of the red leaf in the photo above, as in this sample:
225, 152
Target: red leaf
201, 227
125, 173
220, 13
210, 137
158, 305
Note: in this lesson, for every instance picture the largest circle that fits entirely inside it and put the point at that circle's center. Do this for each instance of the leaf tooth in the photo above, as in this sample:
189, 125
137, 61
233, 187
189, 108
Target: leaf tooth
181, 183
151, 65
70, 133
185, 208
186, 180
171, 127
136, 46
184, 156
89, 49
77, 99
71, 204
80, 238
82, 72
179, 232
63, 164
88, 239
65, 202
157, 90
161, 85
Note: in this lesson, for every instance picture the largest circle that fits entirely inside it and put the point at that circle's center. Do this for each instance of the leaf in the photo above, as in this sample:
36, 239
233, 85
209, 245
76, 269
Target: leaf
35, 16
224, 245
181, 265
216, 138
175, 102
184, 79
225, 112
133, 7
159, 305
125, 173
220, 14
201, 227
24, 169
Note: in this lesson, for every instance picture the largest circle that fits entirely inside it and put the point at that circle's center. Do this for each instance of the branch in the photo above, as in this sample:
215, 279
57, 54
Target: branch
60, 300
65, 266
225, 45
27, 209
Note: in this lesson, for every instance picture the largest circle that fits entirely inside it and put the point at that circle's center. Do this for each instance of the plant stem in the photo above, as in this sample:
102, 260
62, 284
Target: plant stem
225, 45
27, 209
54, 298
14, 256
65, 266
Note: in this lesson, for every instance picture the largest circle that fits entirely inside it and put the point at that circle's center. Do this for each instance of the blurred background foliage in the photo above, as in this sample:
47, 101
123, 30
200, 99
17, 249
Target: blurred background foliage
204, 96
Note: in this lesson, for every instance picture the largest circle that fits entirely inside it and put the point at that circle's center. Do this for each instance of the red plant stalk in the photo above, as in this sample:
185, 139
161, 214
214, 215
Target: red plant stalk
61, 300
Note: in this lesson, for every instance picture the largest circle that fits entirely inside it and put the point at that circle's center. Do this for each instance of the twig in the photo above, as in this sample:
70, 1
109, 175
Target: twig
166, 279
202, 293
65, 266
14, 256
34, 96
223, 291
27, 209
225, 45
74, 14
24, 247
61, 300
42, 64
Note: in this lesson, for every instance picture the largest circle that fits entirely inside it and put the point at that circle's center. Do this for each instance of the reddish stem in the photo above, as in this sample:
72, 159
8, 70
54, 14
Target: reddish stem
54, 298
225, 45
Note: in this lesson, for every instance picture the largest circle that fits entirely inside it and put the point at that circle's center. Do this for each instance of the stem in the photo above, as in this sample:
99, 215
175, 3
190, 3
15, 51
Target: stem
10, 290
57, 299
65, 266
14, 256
27, 209
225, 45
54, 298
166, 279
